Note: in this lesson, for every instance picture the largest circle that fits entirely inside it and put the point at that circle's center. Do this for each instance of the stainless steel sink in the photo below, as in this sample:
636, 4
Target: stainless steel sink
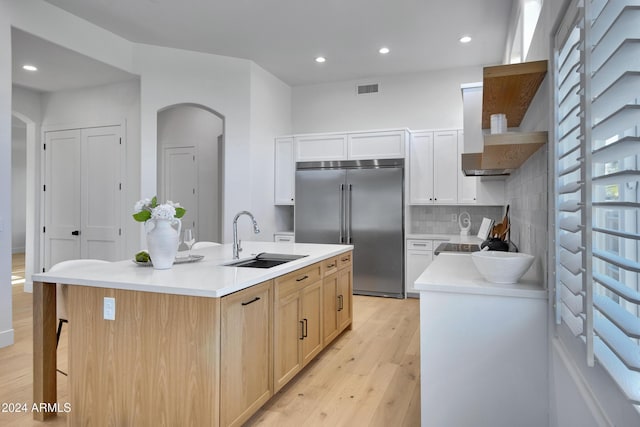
265, 260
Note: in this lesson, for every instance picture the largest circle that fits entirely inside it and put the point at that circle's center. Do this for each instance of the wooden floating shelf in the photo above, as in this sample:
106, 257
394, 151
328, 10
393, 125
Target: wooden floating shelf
509, 89
510, 150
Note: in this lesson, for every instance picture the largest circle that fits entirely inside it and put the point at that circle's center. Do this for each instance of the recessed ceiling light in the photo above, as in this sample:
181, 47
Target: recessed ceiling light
383, 50
30, 67
465, 39
321, 59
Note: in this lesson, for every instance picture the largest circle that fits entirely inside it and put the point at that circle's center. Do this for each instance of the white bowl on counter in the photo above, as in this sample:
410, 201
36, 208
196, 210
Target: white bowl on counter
502, 267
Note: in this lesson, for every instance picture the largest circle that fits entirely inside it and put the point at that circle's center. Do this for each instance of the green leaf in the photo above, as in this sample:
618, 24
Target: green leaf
142, 216
154, 202
180, 212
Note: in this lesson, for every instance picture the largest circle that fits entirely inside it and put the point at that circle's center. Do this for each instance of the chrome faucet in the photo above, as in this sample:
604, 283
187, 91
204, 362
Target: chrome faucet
236, 243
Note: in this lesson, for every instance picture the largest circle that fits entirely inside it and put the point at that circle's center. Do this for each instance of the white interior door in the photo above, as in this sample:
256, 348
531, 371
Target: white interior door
62, 197
181, 182
101, 193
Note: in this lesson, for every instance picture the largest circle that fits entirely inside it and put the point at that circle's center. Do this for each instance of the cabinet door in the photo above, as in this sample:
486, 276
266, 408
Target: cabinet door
466, 184
417, 262
284, 171
330, 308
421, 168
345, 292
316, 148
246, 353
376, 145
445, 167
288, 334
311, 317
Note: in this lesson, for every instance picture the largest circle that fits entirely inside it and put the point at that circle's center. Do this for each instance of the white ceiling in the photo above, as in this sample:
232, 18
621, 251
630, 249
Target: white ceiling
284, 36
58, 68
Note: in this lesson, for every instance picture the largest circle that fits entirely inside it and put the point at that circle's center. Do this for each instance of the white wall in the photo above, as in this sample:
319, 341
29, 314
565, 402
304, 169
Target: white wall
192, 126
6, 326
428, 100
18, 188
172, 76
270, 116
101, 106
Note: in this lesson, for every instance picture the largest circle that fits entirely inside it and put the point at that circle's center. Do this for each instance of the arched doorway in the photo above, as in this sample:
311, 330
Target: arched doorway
190, 165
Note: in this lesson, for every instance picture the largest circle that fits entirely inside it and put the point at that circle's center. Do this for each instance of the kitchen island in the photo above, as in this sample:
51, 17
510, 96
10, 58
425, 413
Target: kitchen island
483, 347
200, 344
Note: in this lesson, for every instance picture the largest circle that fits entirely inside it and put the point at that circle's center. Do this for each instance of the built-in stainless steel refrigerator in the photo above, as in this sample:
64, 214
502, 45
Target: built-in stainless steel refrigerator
359, 203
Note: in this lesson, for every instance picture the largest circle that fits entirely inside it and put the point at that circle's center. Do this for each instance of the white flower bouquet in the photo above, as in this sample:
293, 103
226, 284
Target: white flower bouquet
146, 209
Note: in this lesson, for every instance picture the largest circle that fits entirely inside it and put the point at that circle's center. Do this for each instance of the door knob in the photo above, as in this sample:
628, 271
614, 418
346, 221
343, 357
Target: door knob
75, 232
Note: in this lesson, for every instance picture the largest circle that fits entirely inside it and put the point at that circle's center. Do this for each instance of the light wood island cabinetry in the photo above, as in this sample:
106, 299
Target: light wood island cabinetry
337, 291
298, 308
183, 359
246, 345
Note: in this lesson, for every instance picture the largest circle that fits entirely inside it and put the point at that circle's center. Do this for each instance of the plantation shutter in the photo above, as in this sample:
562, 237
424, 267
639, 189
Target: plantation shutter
596, 179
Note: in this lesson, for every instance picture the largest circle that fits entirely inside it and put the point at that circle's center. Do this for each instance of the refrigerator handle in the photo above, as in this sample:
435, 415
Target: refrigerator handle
349, 240
341, 213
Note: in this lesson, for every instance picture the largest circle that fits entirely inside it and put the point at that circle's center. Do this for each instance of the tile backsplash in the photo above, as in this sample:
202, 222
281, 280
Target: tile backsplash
438, 219
527, 194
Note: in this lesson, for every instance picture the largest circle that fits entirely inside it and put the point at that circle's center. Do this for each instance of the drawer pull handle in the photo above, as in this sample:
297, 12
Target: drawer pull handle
419, 244
340, 302
252, 301
306, 329
305, 277
346, 259
301, 330
331, 265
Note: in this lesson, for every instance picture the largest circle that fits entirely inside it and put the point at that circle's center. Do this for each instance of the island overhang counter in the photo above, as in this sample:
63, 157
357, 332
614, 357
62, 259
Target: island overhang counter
202, 343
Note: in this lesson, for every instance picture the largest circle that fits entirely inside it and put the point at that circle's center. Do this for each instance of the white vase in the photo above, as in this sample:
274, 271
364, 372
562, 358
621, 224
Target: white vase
162, 241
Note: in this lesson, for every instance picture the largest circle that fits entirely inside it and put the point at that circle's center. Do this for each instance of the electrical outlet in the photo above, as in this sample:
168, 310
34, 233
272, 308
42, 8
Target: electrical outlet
454, 217
109, 308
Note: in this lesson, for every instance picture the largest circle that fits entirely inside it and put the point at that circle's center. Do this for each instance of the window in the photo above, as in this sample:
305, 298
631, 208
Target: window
529, 12
597, 214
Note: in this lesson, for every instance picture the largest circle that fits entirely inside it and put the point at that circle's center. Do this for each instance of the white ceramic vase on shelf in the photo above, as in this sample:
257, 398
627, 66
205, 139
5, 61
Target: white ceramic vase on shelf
162, 241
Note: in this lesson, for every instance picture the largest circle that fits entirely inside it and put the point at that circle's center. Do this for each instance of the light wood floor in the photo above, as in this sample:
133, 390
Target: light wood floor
370, 376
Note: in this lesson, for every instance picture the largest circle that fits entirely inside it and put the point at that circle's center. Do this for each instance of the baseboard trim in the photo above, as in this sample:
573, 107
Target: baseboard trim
581, 384
28, 286
6, 338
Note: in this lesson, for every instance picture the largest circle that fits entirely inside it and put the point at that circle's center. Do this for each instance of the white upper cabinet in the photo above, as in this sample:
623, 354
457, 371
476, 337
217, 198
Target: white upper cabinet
285, 169
377, 145
352, 146
445, 167
321, 147
433, 168
421, 168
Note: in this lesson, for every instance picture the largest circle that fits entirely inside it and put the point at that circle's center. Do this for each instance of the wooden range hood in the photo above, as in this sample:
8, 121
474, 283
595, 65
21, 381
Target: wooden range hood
507, 89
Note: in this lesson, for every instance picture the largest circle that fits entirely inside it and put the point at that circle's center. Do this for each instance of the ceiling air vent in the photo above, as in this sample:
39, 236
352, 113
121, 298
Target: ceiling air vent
368, 88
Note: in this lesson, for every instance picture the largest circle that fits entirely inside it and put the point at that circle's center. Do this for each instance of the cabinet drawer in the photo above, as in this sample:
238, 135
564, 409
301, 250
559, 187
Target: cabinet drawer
344, 260
298, 279
330, 266
282, 237
420, 245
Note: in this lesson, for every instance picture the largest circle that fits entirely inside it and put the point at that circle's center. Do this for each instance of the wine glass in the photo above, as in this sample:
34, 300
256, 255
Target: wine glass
189, 238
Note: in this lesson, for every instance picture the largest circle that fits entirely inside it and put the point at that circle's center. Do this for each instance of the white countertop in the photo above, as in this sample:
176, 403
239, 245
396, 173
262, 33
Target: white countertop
207, 278
455, 273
